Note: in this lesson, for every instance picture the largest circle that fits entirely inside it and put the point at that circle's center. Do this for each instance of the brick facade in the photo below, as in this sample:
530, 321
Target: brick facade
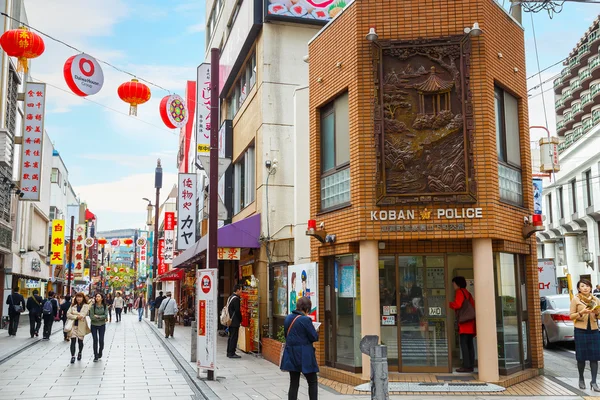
341, 60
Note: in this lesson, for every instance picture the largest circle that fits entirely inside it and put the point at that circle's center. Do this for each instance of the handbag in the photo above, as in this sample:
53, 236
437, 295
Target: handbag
18, 308
68, 326
283, 347
466, 312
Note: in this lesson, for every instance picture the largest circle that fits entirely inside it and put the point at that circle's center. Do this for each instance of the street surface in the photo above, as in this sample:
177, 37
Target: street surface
139, 363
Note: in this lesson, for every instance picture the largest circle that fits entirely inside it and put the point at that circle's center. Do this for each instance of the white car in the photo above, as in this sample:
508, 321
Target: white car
557, 325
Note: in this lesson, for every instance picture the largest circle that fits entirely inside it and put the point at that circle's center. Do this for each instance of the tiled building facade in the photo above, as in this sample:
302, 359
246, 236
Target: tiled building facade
419, 145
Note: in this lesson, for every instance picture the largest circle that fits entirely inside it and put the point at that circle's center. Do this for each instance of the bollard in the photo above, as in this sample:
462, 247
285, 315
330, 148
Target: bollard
379, 366
194, 342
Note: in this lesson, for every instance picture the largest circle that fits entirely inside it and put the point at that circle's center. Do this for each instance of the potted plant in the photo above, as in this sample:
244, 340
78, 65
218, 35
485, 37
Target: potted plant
272, 349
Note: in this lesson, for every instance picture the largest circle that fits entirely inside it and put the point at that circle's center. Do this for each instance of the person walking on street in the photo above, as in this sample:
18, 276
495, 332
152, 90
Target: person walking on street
169, 309
584, 314
64, 308
125, 303
98, 317
236, 320
16, 305
299, 353
140, 303
597, 290
77, 313
119, 303
34, 306
49, 312
465, 316
157, 302
129, 303
109, 304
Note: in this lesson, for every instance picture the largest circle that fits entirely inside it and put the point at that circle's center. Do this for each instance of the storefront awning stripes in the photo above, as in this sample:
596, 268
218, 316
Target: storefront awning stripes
243, 234
176, 274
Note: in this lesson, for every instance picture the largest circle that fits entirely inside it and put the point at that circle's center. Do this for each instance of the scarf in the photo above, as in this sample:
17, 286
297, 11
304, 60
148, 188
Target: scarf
588, 300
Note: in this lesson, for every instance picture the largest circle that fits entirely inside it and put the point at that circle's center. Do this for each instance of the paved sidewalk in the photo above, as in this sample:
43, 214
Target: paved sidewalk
135, 365
12, 344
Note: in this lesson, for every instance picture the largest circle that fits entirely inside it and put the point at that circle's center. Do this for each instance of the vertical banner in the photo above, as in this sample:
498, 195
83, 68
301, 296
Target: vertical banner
537, 196
94, 258
33, 138
58, 242
78, 252
186, 211
203, 111
162, 267
302, 282
206, 295
143, 258
169, 237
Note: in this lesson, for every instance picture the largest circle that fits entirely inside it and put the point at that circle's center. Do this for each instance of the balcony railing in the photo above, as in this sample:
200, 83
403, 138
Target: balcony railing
566, 94
573, 61
560, 102
587, 124
560, 125
576, 108
557, 82
564, 72
592, 36
593, 62
575, 85
583, 49
577, 133
561, 147
586, 99
569, 139
586, 73
568, 117
595, 116
595, 88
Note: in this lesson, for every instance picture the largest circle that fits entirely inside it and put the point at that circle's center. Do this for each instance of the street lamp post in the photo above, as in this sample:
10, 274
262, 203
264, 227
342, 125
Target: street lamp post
158, 185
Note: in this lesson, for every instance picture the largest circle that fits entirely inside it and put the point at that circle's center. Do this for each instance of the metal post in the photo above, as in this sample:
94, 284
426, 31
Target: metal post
194, 343
70, 270
157, 185
379, 366
213, 182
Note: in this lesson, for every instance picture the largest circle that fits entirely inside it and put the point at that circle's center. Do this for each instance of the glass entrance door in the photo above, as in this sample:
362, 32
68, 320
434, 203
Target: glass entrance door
423, 334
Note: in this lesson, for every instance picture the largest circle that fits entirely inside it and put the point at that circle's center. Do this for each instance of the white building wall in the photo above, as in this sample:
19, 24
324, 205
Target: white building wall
301, 176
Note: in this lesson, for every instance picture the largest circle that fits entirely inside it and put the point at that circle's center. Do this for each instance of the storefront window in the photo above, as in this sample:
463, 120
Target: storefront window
388, 307
348, 312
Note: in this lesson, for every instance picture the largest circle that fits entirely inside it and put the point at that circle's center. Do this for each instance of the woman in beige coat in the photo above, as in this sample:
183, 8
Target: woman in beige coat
78, 312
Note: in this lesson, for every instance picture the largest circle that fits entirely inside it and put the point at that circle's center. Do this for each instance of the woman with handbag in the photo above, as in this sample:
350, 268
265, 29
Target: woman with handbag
77, 326
464, 304
98, 317
299, 352
584, 314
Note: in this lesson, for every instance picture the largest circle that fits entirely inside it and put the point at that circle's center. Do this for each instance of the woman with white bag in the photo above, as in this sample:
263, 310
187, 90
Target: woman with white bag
77, 326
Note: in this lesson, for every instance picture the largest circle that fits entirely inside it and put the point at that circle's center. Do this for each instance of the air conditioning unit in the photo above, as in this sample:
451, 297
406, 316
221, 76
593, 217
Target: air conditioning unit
7, 147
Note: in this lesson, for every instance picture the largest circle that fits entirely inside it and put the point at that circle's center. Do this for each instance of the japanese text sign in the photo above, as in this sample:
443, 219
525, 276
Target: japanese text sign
228, 253
57, 256
162, 267
203, 110
33, 137
94, 258
79, 251
186, 211
206, 293
143, 260
169, 237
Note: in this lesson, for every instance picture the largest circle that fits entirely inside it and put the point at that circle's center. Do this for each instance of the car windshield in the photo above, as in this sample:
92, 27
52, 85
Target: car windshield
560, 302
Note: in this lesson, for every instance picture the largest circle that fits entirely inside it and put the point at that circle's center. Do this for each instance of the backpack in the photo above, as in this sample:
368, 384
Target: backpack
47, 307
225, 317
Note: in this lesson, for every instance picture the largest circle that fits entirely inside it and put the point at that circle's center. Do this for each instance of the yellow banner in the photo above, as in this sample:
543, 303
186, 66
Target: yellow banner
57, 256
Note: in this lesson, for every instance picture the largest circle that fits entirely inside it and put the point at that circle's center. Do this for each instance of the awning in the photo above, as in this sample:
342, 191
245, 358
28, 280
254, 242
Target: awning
176, 274
243, 234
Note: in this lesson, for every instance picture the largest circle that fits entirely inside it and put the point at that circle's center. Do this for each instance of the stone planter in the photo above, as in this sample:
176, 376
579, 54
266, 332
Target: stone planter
271, 350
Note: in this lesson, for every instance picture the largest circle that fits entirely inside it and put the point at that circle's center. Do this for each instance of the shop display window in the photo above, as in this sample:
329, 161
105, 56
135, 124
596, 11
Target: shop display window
388, 307
348, 316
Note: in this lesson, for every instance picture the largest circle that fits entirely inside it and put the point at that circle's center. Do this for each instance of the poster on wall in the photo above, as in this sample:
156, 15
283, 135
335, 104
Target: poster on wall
537, 196
348, 281
302, 282
547, 277
280, 291
206, 317
308, 11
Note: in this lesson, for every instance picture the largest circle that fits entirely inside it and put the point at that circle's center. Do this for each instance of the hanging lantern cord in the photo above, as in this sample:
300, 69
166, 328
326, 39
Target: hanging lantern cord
133, 110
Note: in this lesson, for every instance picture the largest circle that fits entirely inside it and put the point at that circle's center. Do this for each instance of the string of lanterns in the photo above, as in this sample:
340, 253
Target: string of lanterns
84, 76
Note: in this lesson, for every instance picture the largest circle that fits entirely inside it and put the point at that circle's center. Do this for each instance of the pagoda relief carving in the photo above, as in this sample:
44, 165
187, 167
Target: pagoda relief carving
423, 122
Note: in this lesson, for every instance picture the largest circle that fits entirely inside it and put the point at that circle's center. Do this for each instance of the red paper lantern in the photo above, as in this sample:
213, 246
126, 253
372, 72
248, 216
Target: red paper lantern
121, 269
102, 242
115, 242
128, 242
134, 93
107, 269
22, 44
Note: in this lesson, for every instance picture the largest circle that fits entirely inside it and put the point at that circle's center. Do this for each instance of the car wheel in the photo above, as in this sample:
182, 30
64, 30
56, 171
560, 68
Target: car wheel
545, 339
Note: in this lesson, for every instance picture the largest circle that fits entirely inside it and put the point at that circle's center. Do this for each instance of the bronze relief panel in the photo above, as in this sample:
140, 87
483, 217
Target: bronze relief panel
423, 122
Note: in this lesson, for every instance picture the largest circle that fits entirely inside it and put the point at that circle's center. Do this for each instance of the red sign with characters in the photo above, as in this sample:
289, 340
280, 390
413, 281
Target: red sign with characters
205, 284
202, 318
162, 267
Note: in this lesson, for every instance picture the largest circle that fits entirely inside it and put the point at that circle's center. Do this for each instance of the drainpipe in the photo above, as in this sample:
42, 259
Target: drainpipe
516, 10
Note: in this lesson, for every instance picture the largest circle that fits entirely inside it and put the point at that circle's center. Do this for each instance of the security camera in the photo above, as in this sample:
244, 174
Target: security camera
41, 247
268, 164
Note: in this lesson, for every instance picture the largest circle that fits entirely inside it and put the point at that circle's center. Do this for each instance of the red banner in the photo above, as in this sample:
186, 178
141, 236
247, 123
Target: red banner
201, 317
162, 267
169, 221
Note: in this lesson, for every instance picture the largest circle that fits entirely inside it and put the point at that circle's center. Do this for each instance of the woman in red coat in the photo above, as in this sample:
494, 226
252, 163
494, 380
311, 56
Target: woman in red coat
466, 330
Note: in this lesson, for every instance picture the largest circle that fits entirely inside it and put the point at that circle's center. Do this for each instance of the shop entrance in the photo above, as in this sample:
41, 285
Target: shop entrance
417, 324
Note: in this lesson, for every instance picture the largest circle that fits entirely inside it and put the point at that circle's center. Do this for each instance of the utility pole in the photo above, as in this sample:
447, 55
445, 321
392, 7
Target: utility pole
70, 269
158, 185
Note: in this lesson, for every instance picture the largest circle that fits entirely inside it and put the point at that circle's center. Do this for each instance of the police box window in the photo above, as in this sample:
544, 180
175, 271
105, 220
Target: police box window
508, 145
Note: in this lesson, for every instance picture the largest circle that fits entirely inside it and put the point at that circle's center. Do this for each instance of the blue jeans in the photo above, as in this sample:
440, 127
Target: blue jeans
140, 313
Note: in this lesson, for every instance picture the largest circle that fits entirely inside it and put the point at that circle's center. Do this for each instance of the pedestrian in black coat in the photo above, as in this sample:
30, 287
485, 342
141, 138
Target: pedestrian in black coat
16, 305
34, 306
64, 308
49, 317
236, 320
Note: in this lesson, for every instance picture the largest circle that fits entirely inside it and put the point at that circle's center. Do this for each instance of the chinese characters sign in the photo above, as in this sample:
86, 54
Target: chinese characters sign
206, 293
169, 237
33, 136
228, 253
162, 267
143, 260
186, 211
58, 242
203, 110
78, 251
94, 258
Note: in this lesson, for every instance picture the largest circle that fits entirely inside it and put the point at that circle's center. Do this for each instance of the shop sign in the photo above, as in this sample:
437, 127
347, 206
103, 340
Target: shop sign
78, 251
426, 215
143, 260
435, 311
228, 253
32, 284
93, 253
307, 11
206, 295
247, 270
186, 211
169, 237
33, 139
57, 248
203, 111
162, 266
423, 228
303, 282
388, 320
547, 277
